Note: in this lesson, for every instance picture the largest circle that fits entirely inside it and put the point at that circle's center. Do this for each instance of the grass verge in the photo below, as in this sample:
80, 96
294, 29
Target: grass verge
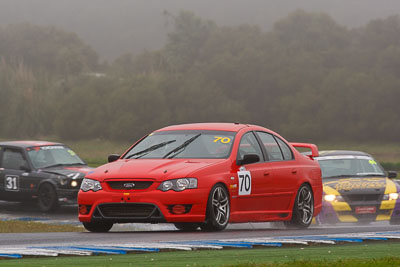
389, 152
95, 152
364, 254
14, 226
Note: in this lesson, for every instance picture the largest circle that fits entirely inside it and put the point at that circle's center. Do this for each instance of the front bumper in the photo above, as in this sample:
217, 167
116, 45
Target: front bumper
145, 207
67, 196
335, 212
127, 213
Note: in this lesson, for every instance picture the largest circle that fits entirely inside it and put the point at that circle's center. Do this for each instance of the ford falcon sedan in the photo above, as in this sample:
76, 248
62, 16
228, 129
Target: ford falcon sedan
205, 176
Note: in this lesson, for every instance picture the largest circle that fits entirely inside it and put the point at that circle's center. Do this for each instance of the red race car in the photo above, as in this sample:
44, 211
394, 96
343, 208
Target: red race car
204, 175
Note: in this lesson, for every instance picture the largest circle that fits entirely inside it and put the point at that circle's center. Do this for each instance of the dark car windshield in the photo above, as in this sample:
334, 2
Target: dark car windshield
52, 156
184, 144
349, 166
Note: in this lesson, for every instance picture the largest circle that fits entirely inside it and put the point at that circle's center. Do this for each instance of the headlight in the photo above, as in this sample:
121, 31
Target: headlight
89, 184
64, 181
391, 196
178, 184
331, 198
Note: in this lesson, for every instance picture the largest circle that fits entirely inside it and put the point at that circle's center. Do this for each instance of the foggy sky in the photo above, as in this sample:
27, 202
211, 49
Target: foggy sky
115, 27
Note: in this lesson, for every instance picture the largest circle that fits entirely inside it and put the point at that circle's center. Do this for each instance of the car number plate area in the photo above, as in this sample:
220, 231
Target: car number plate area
365, 210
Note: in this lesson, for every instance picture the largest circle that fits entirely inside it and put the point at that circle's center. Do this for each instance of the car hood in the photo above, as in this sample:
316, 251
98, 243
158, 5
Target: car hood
156, 169
355, 185
74, 172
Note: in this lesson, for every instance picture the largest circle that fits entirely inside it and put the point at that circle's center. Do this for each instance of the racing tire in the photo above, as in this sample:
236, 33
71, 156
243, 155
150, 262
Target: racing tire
303, 209
187, 227
98, 227
218, 209
47, 198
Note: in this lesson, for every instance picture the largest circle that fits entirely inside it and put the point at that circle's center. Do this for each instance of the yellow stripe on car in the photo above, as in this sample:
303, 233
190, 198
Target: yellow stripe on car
347, 218
388, 204
337, 205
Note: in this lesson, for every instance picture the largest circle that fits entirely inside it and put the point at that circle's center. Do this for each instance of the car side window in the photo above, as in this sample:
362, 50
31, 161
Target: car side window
249, 145
13, 159
271, 146
286, 151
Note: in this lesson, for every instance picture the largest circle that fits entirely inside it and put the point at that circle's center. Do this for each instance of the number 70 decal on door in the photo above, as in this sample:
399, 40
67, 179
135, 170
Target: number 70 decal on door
244, 182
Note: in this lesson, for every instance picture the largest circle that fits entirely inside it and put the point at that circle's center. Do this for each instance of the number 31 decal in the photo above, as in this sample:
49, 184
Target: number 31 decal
11, 183
244, 182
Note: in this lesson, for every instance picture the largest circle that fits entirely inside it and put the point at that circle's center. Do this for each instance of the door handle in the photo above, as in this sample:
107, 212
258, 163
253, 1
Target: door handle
266, 173
294, 171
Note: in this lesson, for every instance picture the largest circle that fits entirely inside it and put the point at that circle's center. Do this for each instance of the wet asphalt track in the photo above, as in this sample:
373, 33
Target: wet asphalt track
128, 233
122, 237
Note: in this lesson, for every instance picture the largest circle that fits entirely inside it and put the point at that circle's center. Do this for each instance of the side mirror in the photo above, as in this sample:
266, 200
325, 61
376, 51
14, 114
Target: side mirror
392, 174
113, 157
25, 168
248, 159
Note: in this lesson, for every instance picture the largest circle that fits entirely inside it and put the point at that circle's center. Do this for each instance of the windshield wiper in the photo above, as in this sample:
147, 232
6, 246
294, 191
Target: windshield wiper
181, 147
370, 174
150, 149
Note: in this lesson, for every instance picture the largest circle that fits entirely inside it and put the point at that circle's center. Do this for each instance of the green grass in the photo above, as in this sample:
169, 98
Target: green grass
365, 254
95, 152
381, 152
35, 227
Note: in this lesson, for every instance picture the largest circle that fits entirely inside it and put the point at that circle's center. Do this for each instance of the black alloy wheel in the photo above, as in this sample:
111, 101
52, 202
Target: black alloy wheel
303, 208
187, 227
218, 209
47, 197
98, 227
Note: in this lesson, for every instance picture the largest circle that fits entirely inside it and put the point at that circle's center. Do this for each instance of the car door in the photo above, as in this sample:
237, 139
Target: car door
282, 184
252, 183
13, 173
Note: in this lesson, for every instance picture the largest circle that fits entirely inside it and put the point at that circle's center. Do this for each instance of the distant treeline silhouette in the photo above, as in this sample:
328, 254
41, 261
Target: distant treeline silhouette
308, 78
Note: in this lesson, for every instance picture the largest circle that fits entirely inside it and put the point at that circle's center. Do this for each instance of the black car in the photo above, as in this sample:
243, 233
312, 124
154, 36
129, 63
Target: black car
48, 172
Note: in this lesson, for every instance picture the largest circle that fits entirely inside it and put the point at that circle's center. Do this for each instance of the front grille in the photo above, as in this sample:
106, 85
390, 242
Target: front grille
129, 185
360, 197
361, 217
122, 210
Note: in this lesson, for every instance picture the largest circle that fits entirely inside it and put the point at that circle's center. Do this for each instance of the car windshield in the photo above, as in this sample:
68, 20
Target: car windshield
184, 144
349, 166
51, 156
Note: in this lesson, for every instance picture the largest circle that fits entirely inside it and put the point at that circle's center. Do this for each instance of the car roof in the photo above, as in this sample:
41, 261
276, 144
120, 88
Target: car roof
28, 143
327, 153
215, 126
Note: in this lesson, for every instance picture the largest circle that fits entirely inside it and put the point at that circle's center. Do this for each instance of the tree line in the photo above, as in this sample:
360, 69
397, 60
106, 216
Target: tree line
308, 78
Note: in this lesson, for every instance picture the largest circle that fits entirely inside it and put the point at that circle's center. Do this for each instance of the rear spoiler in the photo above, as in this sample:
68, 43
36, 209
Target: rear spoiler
314, 148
